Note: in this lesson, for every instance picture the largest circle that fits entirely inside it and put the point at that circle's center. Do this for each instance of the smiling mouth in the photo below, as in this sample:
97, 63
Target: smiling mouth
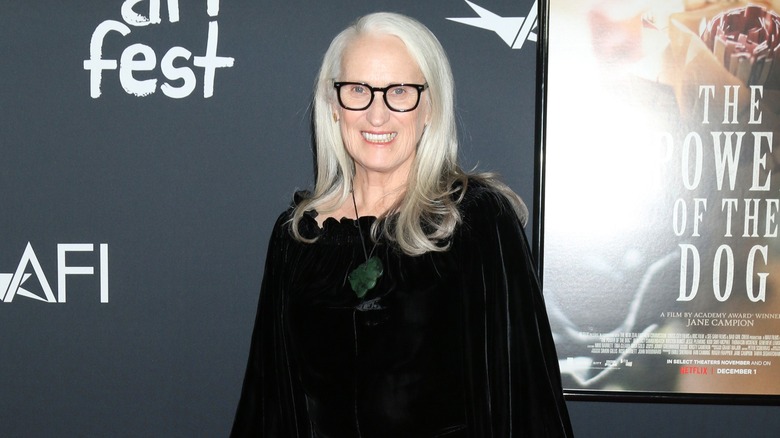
379, 138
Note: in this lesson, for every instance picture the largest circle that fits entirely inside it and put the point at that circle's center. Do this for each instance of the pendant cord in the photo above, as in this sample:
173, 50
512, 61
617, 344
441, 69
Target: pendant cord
360, 230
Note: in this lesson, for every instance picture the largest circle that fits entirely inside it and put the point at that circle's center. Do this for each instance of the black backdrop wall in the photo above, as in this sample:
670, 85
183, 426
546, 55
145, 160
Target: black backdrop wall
137, 201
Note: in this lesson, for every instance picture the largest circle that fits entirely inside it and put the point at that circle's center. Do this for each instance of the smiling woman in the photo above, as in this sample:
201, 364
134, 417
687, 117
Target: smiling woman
399, 297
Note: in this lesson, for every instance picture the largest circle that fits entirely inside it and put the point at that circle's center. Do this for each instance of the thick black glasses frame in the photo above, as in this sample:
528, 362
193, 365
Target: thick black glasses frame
383, 90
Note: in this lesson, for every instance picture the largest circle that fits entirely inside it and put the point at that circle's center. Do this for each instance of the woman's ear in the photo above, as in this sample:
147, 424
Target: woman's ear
336, 115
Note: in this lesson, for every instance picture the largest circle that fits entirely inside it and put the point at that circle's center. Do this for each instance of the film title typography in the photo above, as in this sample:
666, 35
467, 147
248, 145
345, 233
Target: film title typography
738, 207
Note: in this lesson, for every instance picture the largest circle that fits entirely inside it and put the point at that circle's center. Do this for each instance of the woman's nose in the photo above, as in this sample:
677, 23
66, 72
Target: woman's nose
378, 113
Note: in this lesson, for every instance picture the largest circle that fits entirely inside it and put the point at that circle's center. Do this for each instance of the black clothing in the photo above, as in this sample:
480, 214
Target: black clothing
453, 343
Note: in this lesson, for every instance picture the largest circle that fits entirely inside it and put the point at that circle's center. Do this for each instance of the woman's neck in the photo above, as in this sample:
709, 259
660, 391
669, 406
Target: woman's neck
375, 196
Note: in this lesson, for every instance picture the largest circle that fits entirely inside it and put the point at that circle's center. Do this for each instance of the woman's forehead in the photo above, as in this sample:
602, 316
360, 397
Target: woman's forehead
379, 59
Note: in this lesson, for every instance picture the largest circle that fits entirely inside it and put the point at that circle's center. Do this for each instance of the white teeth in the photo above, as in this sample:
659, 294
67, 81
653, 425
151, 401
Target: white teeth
379, 138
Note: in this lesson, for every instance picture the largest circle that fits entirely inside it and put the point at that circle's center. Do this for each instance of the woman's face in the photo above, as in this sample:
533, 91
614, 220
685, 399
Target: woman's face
381, 141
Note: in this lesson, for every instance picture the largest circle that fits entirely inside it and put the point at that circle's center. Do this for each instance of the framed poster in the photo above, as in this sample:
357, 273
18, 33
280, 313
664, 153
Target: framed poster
659, 206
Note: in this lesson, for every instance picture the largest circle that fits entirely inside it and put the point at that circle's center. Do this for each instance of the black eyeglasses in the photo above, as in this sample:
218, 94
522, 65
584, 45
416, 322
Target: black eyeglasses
357, 96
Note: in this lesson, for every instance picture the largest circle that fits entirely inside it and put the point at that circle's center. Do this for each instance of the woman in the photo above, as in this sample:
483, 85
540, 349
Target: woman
399, 298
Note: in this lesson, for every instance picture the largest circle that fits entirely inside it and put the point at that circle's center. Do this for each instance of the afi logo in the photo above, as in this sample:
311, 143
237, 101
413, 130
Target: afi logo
515, 31
12, 285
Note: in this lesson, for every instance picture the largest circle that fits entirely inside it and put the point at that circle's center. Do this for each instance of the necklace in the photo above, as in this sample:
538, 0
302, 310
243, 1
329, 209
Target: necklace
364, 277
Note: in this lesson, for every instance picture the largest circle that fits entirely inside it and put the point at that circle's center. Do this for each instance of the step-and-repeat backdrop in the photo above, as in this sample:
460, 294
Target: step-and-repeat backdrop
146, 148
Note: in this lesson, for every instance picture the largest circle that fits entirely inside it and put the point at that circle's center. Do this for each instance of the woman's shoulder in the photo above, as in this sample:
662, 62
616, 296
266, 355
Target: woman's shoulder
486, 197
285, 217
489, 212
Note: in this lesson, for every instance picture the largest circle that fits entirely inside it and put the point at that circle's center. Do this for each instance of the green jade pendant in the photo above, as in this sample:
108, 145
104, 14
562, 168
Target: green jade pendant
364, 277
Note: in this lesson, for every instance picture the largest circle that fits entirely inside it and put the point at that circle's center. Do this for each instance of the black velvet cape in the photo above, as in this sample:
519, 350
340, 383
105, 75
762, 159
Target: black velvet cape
448, 344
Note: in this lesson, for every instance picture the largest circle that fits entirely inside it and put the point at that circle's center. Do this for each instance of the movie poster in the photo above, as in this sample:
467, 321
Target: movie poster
661, 254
